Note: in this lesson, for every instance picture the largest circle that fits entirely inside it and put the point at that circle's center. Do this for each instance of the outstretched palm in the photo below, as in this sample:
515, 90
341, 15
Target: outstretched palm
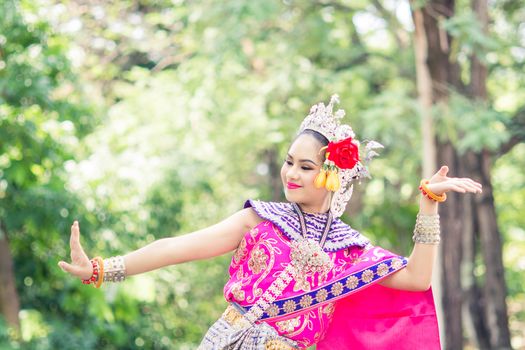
80, 265
440, 183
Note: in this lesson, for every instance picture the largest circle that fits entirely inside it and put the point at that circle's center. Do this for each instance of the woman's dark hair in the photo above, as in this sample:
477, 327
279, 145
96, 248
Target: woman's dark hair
319, 137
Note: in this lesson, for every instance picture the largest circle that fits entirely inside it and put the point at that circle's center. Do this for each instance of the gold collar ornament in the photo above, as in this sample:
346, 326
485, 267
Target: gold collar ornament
307, 255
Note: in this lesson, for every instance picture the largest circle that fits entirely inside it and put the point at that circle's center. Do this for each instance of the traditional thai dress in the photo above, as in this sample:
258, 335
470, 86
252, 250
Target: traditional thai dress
341, 308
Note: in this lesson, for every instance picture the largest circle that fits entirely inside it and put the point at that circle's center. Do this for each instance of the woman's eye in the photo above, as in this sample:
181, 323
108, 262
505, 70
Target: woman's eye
289, 162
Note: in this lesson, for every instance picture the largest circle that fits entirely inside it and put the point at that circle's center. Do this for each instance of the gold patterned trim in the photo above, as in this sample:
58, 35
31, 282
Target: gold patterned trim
367, 276
337, 289
234, 317
237, 320
321, 295
382, 269
352, 282
306, 301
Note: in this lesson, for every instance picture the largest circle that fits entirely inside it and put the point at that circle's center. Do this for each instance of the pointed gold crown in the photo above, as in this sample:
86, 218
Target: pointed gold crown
323, 120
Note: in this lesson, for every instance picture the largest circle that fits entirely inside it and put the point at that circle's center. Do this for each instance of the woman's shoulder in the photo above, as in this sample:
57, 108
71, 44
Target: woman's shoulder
269, 209
251, 218
258, 211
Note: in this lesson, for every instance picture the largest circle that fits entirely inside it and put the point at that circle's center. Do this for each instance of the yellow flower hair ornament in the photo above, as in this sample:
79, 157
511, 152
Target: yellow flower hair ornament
328, 175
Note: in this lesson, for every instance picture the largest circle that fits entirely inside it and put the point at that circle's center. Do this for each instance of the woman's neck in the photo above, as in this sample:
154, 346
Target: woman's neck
316, 209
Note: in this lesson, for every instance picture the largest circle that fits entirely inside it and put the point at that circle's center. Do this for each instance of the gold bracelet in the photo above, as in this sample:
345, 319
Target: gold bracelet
114, 269
427, 229
426, 192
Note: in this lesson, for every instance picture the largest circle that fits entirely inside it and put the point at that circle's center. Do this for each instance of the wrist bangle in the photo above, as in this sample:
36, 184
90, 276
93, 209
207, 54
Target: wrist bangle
114, 269
431, 195
100, 276
427, 229
95, 274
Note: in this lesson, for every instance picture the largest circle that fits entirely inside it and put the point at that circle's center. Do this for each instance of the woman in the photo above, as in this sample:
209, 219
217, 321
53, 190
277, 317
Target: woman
299, 275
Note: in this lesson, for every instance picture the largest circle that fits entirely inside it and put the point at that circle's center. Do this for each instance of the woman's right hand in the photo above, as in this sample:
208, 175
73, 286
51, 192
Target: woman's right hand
80, 265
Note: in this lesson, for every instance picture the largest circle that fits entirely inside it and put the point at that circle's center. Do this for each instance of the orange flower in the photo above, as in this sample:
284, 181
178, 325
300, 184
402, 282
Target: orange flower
332, 182
320, 179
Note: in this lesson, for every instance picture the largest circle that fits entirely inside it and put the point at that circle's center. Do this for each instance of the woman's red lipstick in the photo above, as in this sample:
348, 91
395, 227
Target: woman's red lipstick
292, 186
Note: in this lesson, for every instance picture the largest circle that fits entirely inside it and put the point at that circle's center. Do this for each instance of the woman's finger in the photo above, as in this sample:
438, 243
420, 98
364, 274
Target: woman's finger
470, 182
74, 241
461, 185
469, 185
473, 188
458, 188
78, 256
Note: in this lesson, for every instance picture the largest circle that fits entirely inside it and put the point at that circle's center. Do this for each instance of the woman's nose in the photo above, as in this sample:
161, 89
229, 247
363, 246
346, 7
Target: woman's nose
291, 173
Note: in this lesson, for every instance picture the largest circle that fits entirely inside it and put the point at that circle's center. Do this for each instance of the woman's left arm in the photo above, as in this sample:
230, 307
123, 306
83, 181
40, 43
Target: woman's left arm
417, 275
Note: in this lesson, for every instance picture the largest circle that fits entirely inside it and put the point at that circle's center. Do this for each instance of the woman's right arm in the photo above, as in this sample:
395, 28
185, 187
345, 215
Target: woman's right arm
209, 242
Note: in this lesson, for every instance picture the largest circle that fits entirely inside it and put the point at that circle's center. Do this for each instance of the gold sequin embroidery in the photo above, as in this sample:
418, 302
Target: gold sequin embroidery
382, 269
321, 295
289, 306
288, 326
396, 264
257, 262
337, 289
367, 276
352, 282
238, 294
273, 310
301, 284
241, 251
305, 301
329, 309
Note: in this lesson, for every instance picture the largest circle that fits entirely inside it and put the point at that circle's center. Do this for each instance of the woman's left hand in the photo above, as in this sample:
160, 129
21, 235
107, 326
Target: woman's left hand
440, 183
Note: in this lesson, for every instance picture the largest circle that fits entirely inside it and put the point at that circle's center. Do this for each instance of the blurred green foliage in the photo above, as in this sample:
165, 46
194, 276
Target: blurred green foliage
147, 119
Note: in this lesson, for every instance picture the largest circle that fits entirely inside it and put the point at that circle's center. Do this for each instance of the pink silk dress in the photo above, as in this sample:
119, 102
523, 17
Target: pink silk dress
327, 308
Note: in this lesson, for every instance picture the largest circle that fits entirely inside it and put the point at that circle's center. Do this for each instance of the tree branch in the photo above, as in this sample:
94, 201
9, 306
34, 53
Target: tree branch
517, 127
392, 22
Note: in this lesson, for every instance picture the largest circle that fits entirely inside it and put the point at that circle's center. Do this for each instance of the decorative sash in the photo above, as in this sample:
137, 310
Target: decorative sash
335, 290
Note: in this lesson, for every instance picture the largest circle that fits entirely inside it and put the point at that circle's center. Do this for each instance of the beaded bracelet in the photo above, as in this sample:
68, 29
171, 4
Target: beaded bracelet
431, 195
97, 276
94, 276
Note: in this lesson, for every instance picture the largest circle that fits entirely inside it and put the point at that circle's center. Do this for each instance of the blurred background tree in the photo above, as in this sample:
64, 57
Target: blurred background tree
145, 119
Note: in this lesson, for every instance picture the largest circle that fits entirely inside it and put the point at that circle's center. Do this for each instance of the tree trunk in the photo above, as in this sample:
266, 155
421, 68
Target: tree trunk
452, 220
9, 304
466, 223
443, 74
473, 312
494, 289
425, 97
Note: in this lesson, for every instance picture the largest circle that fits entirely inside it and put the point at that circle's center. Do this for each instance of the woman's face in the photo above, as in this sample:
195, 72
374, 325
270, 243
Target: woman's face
301, 166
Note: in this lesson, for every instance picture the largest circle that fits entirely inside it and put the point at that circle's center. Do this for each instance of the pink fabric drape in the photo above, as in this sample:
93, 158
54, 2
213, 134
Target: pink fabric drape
382, 318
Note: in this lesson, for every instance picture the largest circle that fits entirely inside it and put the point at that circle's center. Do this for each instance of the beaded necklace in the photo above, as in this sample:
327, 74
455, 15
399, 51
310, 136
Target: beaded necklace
307, 254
